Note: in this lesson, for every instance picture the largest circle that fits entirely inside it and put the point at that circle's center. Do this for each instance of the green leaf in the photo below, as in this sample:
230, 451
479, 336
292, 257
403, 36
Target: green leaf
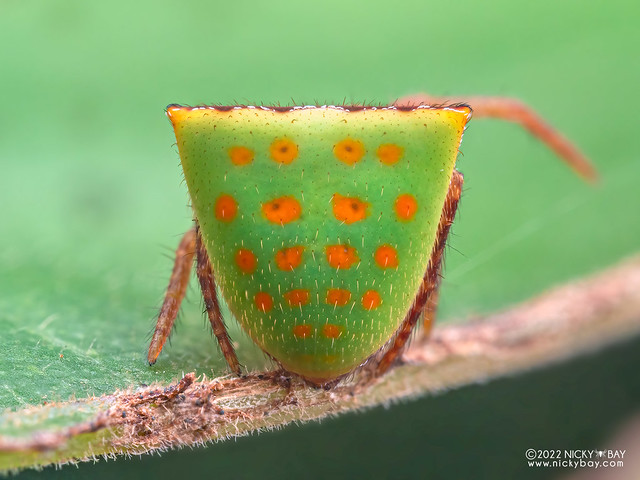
91, 189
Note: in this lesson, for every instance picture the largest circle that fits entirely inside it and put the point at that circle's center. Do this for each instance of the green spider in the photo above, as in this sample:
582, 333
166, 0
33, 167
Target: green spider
324, 227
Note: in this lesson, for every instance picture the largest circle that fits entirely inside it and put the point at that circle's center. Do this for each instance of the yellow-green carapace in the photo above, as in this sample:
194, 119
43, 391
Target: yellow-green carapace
319, 221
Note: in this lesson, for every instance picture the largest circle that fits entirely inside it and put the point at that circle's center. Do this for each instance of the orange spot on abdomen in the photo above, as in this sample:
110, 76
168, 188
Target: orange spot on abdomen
283, 151
246, 260
302, 331
332, 331
349, 209
241, 155
390, 154
349, 151
298, 297
386, 256
371, 300
341, 256
225, 208
406, 207
263, 301
282, 210
338, 296
289, 258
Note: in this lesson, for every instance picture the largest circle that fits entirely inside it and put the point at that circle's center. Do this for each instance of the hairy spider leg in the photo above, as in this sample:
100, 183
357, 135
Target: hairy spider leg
175, 294
191, 246
428, 291
208, 287
515, 111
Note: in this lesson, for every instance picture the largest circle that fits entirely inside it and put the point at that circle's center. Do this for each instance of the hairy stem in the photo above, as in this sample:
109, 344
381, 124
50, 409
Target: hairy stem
565, 321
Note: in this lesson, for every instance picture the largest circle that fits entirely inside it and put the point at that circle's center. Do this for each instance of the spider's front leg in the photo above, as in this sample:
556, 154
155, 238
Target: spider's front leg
508, 109
513, 110
424, 305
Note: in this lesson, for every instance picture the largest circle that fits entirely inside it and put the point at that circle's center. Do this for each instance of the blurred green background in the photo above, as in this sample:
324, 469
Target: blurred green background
93, 202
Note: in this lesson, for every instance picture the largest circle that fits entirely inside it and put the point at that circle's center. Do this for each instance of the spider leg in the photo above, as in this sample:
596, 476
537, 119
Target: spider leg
515, 111
208, 287
175, 294
430, 310
426, 299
